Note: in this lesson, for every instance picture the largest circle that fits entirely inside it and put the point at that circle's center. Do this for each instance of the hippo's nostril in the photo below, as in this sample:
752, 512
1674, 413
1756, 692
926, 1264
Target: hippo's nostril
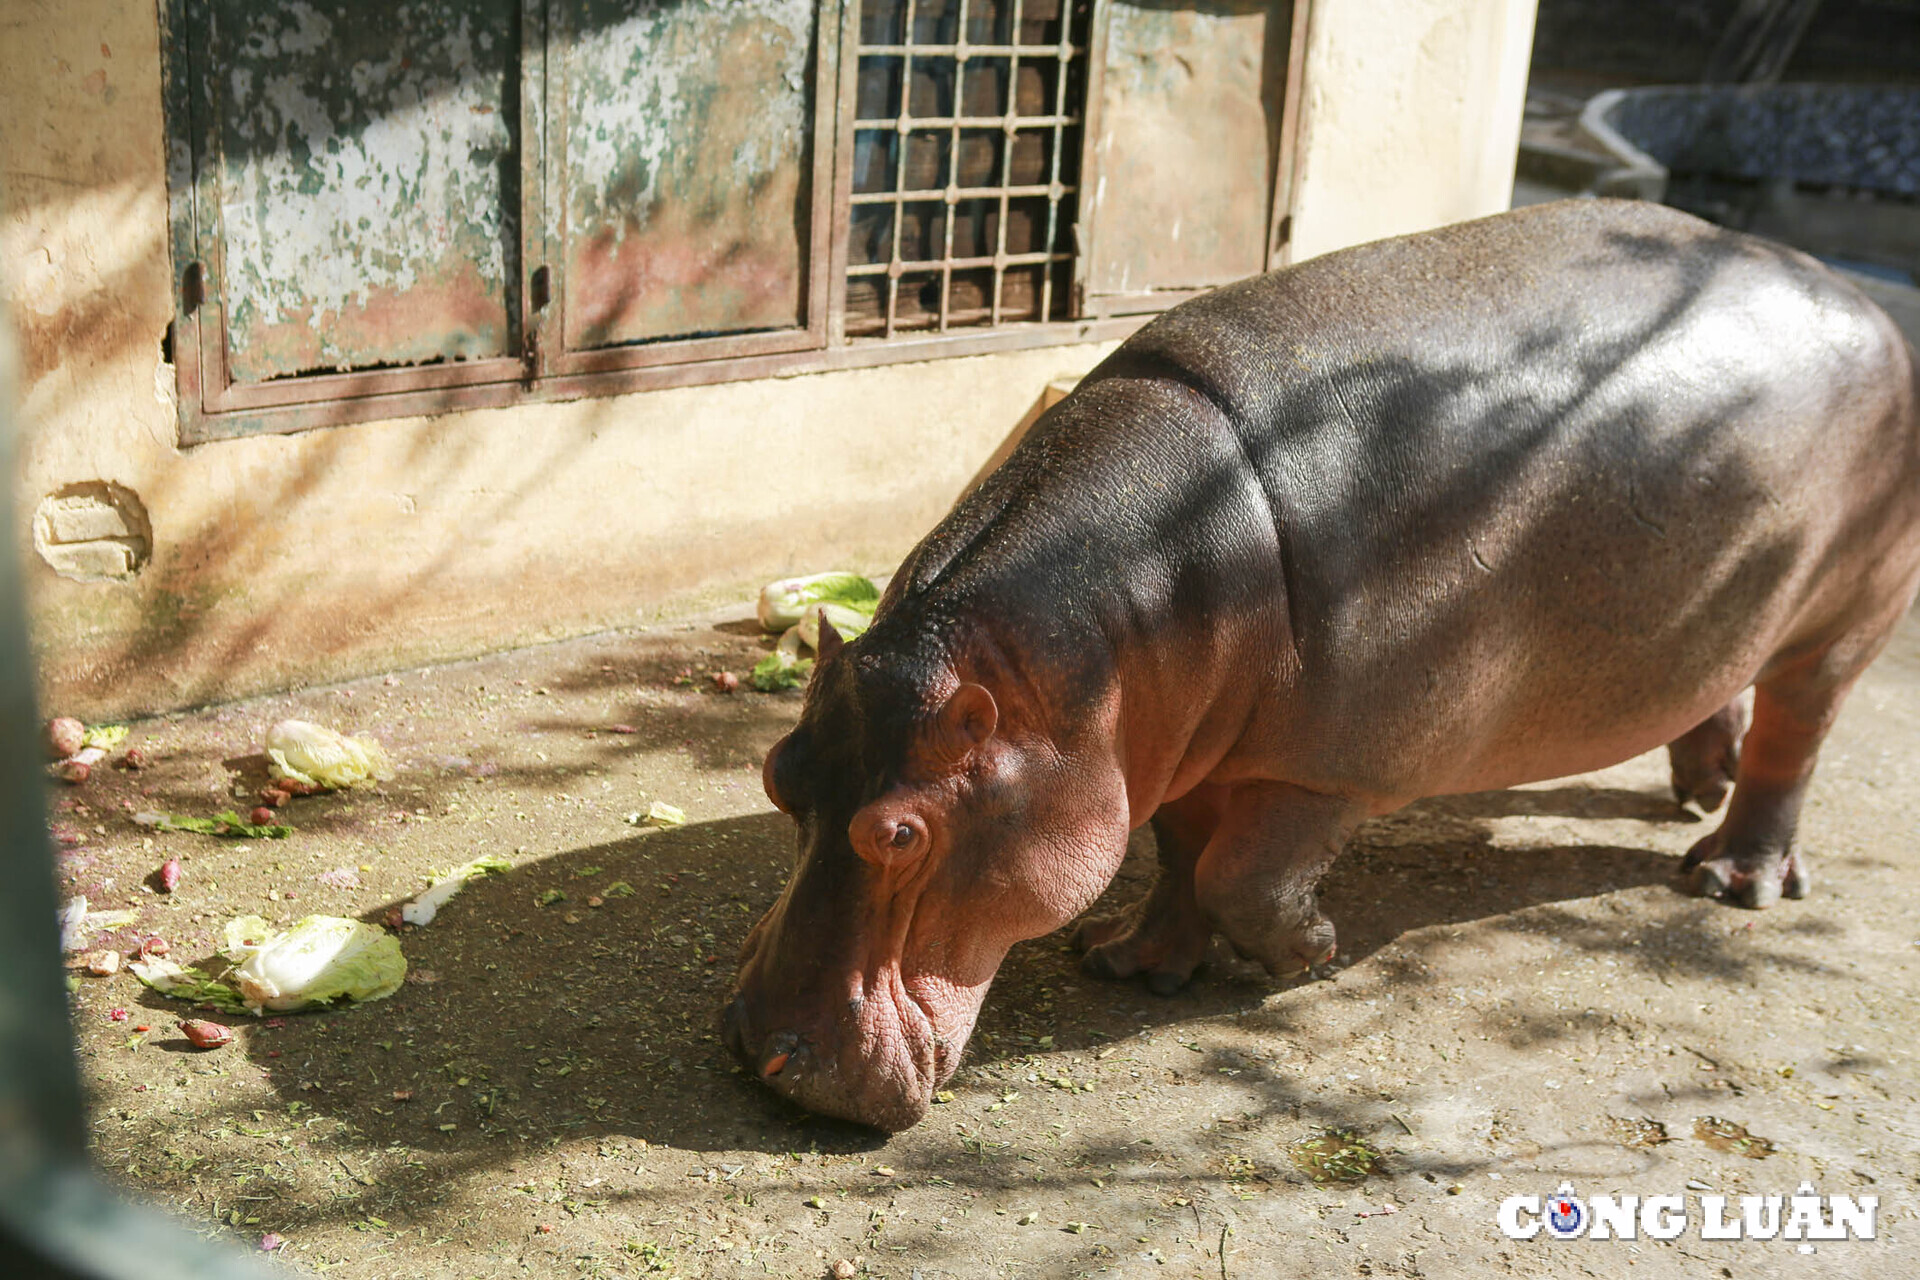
780, 1051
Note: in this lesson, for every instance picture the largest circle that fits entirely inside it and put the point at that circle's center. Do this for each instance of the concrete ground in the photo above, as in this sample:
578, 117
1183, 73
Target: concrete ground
1521, 1000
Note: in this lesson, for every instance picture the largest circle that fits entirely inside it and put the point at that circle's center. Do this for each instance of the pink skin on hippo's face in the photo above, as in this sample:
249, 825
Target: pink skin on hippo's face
930, 843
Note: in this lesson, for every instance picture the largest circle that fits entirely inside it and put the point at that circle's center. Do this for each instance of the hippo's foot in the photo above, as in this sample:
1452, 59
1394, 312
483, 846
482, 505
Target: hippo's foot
1288, 943
1716, 868
1707, 756
1160, 936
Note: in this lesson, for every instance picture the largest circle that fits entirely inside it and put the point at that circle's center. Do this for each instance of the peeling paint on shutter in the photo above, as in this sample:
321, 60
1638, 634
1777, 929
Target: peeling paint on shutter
688, 191
358, 169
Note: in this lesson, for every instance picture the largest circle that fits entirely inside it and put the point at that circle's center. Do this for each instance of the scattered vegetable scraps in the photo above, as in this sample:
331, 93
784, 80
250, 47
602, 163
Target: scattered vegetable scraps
104, 736
424, 908
319, 960
782, 603
794, 607
228, 823
316, 756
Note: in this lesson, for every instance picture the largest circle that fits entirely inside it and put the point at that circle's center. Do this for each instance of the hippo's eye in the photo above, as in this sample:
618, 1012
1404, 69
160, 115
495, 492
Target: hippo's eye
890, 840
906, 838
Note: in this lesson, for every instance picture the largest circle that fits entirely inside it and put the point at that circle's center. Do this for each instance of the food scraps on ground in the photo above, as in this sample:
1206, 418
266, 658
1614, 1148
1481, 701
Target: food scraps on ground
104, 737
794, 606
662, 814
784, 668
77, 924
783, 601
444, 885
103, 964
313, 755
227, 823
168, 876
205, 1035
65, 737
318, 960
78, 748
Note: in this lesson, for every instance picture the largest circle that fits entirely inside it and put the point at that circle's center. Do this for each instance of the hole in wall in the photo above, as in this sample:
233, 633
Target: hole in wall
93, 531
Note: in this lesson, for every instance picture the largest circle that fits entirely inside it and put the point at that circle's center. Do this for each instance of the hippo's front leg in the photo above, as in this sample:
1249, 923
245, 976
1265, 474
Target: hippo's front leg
1241, 860
1257, 877
1165, 934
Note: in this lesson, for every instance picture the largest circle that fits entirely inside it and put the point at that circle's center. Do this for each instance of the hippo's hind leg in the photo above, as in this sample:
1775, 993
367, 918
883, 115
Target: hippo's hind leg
1706, 757
1256, 879
1752, 859
1165, 934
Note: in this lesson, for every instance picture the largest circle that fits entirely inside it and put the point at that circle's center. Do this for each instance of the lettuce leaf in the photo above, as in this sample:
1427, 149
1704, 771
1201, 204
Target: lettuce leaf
316, 756
783, 602
319, 960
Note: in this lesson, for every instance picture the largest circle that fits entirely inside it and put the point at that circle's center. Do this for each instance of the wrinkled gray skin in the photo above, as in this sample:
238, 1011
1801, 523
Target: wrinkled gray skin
1511, 500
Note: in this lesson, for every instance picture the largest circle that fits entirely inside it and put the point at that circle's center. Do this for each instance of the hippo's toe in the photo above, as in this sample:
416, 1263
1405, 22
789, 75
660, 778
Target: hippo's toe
1707, 881
1757, 892
1717, 868
1796, 883
1098, 963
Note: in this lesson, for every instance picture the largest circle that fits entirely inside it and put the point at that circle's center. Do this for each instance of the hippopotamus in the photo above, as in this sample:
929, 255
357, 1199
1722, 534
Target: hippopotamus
1505, 501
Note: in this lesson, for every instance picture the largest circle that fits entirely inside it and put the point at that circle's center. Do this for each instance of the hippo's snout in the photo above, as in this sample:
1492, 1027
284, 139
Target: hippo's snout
804, 1058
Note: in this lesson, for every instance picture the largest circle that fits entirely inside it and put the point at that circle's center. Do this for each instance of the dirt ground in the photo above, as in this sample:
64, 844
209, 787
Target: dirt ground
1521, 999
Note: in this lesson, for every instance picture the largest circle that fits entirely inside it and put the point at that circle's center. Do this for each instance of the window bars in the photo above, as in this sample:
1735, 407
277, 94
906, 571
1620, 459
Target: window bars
966, 152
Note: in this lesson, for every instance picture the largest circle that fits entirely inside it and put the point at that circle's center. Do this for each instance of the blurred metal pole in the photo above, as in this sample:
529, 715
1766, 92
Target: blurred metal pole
56, 1219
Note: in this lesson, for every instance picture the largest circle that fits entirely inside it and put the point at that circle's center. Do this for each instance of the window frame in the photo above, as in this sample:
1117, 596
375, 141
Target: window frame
212, 407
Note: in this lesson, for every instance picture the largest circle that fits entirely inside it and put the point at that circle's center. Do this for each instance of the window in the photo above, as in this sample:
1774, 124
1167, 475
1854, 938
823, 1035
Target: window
966, 147
447, 203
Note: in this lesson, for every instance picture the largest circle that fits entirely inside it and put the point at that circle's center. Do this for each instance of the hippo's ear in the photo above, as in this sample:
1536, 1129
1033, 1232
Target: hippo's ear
770, 773
830, 642
963, 725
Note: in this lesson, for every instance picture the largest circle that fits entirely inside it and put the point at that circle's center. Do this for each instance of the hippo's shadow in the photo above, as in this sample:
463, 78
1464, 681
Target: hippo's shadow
1435, 862
530, 1016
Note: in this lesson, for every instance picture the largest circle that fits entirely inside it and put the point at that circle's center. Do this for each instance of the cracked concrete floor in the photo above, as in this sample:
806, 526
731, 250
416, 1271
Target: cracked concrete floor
1521, 999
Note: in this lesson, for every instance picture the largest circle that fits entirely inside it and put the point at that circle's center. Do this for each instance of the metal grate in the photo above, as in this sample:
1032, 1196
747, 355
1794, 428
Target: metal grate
966, 151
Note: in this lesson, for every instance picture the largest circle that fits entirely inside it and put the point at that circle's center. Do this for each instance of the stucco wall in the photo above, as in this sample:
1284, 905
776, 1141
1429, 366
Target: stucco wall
1410, 116
292, 559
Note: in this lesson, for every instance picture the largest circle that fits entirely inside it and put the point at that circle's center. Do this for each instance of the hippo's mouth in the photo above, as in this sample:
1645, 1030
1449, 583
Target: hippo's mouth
897, 1079
878, 1063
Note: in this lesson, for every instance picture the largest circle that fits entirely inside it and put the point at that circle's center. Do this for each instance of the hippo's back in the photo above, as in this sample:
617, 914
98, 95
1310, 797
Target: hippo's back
1550, 486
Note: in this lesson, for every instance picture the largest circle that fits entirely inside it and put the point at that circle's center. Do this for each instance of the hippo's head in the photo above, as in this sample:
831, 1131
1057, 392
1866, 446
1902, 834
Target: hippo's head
938, 827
